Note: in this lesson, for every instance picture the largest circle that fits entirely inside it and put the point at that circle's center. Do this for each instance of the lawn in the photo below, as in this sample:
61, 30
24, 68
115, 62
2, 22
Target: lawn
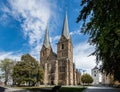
72, 89
63, 89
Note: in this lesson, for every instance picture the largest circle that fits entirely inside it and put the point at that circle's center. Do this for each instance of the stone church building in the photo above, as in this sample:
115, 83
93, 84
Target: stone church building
59, 68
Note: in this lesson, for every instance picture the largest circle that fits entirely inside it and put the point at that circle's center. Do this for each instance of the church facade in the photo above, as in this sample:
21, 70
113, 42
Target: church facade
59, 68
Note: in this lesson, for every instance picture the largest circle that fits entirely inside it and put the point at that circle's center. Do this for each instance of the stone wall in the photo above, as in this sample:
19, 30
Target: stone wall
62, 63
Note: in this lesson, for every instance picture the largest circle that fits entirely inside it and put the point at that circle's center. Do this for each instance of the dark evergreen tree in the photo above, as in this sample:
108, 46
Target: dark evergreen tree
101, 20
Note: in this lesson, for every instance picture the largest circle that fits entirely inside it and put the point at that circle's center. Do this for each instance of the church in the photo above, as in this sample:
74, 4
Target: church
59, 68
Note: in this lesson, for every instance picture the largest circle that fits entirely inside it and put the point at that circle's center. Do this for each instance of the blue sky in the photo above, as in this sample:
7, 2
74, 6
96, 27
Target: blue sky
23, 23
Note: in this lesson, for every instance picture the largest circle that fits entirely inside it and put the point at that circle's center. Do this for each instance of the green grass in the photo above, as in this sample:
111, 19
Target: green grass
63, 89
72, 89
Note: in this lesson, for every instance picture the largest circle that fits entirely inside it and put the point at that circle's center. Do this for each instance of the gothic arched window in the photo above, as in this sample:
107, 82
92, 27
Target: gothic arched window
62, 46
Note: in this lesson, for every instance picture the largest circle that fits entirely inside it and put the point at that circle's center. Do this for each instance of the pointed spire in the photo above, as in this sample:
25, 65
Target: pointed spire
46, 38
65, 30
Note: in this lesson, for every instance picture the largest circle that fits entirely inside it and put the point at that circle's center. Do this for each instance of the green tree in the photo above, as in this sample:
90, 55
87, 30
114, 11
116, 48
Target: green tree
101, 20
6, 67
27, 71
86, 79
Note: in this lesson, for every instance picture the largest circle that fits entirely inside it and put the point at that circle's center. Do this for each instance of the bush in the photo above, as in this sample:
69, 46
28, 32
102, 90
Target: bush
86, 79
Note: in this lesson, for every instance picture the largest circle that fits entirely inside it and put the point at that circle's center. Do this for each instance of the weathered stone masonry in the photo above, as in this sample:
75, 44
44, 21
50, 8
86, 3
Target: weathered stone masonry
59, 68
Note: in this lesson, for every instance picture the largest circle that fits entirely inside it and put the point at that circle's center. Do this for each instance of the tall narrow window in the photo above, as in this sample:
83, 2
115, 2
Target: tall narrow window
43, 53
62, 54
62, 46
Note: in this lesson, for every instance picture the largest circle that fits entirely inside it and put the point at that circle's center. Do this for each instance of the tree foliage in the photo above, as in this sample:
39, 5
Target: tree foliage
6, 67
101, 20
86, 78
27, 71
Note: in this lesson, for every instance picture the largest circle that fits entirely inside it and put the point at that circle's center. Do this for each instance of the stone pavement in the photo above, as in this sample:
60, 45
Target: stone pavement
8, 89
15, 90
101, 89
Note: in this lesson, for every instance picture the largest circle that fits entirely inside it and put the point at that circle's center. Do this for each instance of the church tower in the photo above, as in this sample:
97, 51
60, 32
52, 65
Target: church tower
48, 61
46, 49
59, 68
65, 56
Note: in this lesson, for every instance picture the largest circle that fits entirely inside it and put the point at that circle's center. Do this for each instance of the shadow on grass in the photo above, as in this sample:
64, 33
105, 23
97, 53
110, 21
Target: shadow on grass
63, 89
39, 89
48, 89
72, 89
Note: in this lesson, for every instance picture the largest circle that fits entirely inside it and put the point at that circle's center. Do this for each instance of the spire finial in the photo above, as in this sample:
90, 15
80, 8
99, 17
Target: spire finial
66, 6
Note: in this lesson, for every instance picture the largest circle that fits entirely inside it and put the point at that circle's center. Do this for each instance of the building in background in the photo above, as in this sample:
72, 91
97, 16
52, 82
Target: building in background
59, 68
107, 79
101, 77
95, 75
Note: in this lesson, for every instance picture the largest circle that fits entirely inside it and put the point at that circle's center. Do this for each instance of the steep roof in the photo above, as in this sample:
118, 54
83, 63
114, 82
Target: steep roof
65, 30
46, 39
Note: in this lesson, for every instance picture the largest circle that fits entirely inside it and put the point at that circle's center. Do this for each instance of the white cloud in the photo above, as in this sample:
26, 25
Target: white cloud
4, 19
82, 58
55, 38
10, 55
77, 32
35, 52
33, 16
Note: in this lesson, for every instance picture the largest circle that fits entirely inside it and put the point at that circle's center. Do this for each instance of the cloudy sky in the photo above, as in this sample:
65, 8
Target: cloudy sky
23, 24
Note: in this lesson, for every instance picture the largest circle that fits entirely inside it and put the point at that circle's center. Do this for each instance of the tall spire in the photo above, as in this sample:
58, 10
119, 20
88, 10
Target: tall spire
46, 38
65, 30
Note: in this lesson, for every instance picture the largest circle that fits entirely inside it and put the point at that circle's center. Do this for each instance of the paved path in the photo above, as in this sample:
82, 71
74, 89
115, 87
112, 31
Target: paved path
7, 89
10, 89
102, 89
